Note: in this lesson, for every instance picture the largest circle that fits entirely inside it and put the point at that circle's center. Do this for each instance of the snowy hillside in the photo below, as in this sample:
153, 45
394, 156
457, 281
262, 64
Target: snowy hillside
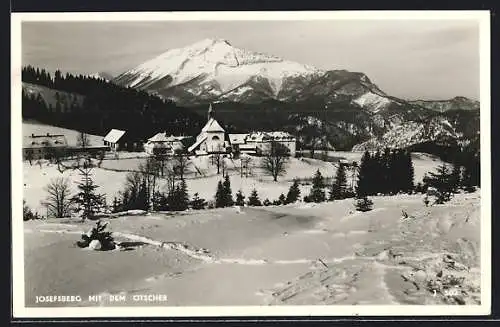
315, 254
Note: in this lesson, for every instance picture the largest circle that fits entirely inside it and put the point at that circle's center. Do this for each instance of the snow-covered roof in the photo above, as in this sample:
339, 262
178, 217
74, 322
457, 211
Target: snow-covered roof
162, 137
197, 143
41, 141
280, 135
212, 126
114, 135
258, 137
238, 138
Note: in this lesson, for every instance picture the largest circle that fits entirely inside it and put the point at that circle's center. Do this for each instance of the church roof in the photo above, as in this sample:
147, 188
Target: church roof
212, 126
197, 143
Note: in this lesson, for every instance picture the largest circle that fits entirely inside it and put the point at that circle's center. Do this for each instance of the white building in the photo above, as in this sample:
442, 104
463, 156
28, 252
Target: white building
163, 144
115, 140
211, 138
260, 142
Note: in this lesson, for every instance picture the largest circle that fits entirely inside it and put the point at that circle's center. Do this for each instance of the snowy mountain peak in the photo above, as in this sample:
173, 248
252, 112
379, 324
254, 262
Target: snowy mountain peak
212, 68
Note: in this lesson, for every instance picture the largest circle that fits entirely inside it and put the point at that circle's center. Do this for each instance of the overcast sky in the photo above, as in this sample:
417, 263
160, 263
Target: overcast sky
406, 58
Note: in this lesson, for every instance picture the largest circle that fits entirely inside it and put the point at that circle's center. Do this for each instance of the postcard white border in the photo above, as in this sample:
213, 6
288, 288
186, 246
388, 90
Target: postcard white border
21, 311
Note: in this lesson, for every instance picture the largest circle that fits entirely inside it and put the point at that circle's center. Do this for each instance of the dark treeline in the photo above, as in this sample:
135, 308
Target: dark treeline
105, 106
387, 172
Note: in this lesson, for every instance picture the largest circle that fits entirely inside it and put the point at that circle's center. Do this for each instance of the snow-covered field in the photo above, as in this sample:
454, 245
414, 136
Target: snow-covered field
296, 254
201, 176
71, 135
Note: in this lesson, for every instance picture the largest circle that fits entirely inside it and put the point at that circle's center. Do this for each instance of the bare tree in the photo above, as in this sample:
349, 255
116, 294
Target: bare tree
180, 164
245, 166
58, 201
149, 173
161, 159
275, 160
83, 140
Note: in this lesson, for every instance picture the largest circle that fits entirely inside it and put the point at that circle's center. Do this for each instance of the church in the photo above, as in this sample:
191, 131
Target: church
211, 138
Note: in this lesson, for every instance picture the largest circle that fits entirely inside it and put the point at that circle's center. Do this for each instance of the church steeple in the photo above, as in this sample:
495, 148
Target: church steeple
211, 112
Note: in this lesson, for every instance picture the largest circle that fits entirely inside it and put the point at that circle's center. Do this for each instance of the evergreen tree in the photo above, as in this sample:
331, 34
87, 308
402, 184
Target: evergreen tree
198, 203
364, 185
266, 202
86, 199
338, 188
125, 203
293, 192
442, 181
317, 192
282, 199
455, 177
160, 202
240, 199
142, 199
228, 197
181, 195
220, 196
253, 199
468, 179
364, 204
409, 185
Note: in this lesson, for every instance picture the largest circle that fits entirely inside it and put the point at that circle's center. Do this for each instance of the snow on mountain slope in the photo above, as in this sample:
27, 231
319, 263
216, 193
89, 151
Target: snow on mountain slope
410, 133
213, 62
372, 101
457, 103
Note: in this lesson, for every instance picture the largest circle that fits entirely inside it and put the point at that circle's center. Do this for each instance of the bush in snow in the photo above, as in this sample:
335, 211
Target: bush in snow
363, 204
281, 199
317, 192
426, 200
198, 203
293, 193
99, 234
253, 199
266, 202
28, 213
240, 199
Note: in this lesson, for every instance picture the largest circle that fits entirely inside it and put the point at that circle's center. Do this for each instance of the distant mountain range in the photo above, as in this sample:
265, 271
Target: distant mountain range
254, 90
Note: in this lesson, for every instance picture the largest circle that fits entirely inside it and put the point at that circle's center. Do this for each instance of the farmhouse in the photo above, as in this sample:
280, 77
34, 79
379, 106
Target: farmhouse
211, 138
43, 146
119, 140
112, 139
163, 144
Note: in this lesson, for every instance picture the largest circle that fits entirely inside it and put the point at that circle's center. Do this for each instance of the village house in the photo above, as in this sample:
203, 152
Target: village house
163, 144
211, 138
43, 146
118, 140
260, 142
112, 139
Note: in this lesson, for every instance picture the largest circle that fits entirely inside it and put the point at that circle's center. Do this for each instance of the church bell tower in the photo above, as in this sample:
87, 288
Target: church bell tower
211, 112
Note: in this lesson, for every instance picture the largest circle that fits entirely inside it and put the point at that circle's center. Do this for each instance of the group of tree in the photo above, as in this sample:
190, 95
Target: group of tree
447, 181
223, 195
60, 202
389, 172
105, 105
